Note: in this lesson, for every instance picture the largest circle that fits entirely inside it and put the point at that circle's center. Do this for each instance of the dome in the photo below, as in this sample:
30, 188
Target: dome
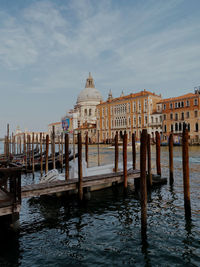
89, 93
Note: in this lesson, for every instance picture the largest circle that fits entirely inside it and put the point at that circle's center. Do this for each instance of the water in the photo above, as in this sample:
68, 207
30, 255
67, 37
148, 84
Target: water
105, 231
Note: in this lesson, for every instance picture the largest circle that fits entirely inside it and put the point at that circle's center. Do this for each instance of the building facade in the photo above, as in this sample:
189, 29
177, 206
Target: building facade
85, 108
131, 113
180, 111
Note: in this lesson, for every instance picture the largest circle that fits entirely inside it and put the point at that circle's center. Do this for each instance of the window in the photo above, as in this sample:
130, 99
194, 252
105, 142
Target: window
195, 101
176, 126
164, 106
85, 111
145, 105
172, 127
156, 120
196, 113
164, 117
171, 105
176, 105
165, 128
196, 127
182, 116
171, 116
187, 103
160, 118
139, 120
134, 107
182, 104
176, 116
145, 119
139, 106
90, 112
179, 104
187, 114
151, 119
180, 126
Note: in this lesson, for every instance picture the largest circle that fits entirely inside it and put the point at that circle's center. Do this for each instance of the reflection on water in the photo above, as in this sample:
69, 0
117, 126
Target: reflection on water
106, 229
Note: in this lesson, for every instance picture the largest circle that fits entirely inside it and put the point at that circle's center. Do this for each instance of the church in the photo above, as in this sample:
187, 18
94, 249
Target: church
84, 113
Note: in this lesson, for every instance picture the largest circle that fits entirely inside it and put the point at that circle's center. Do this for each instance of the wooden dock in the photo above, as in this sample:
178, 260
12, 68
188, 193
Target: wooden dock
96, 182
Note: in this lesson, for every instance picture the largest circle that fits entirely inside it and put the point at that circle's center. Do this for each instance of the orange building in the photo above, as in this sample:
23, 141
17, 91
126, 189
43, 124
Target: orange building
181, 110
130, 113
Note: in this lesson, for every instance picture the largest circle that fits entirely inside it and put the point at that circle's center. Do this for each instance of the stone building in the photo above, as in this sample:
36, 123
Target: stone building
87, 101
181, 110
131, 113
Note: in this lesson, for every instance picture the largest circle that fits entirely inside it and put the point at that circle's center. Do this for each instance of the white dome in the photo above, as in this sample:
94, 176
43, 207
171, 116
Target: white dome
90, 93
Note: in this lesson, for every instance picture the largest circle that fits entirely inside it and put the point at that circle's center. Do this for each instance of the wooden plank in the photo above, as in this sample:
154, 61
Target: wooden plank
61, 186
9, 210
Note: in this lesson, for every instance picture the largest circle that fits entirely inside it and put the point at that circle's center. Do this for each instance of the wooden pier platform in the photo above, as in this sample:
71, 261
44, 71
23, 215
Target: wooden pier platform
96, 182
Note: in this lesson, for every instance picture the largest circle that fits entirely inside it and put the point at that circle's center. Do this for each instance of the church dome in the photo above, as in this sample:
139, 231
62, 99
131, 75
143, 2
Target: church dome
89, 93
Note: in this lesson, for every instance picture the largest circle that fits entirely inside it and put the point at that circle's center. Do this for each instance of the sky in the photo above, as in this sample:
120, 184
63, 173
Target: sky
47, 49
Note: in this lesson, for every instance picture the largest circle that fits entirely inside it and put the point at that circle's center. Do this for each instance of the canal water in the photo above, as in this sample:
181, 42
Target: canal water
105, 231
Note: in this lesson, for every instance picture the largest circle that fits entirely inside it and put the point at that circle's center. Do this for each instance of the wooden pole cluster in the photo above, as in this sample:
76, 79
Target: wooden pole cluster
80, 174
171, 165
116, 152
61, 152
158, 166
143, 183
186, 180
33, 160
66, 157
133, 151
125, 160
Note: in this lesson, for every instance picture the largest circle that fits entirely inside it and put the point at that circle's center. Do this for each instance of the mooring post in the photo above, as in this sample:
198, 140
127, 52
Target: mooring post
53, 147
143, 183
25, 152
41, 158
73, 145
149, 180
125, 160
86, 149
8, 141
186, 181
61, 152
28, 145
47, 154
20, 144
158, 153
59, 148
116, 152
33, 160
98, 148
80, 174
133, 151
66, 157
171, 165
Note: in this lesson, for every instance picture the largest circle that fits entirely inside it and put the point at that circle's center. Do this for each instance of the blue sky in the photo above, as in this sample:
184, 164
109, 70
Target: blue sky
47, 49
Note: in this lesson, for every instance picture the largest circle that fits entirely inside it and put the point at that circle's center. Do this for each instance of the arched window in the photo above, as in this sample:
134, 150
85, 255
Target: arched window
180, 126
176, 127
90, 112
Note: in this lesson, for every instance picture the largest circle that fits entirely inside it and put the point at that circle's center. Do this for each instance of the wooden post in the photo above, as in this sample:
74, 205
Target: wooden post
41, 158
171, 174
125, 160
61, 152
133, 151
53, 147
80, 175
59, 149
86, 149
186, 181
20, 144
25, 151
143, 184
149, 160
98, 148
8, 141
158, 153
33, 160
47, 154
66, 157
73, 145
116, 152
29, 156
